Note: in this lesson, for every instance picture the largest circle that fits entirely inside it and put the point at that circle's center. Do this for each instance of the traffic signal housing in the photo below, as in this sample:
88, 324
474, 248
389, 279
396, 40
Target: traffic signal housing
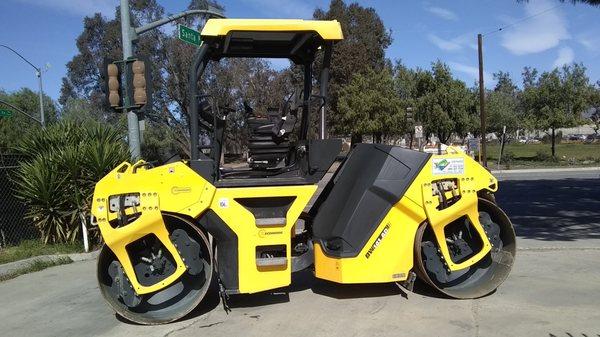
131, 89
409, 116
111, 84
140, 92
139, 82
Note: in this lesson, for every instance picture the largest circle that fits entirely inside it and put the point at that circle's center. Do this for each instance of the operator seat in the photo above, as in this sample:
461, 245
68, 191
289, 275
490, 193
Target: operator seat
268, 141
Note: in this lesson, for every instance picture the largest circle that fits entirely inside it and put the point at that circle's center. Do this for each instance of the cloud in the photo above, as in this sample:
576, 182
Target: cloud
443, 13
290, 9
540, 33
454, 44
447, 45
589, 40
470, 71
79, 8
566, 55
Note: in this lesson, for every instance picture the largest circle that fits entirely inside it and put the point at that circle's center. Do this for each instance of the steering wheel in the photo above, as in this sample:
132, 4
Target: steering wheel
248, 110
226, 109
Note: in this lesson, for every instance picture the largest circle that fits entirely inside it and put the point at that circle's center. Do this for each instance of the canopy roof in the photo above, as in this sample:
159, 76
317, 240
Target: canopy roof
297, 40
327, 30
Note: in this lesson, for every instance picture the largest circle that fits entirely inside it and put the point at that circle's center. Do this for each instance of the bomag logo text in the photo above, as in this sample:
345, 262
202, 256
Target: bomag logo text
264, 233
377, 242
180, 189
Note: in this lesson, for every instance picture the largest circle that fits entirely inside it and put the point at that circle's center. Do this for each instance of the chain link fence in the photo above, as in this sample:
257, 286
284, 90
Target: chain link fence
14, 228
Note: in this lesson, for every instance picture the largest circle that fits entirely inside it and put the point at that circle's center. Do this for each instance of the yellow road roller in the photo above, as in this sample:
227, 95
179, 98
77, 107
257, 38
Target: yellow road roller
384, 214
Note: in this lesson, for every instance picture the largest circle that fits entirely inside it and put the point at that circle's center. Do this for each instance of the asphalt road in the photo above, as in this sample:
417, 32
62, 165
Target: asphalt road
554, 289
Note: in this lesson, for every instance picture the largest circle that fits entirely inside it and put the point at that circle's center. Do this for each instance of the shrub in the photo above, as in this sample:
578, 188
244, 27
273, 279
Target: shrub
543, 156
508, 157
62, 165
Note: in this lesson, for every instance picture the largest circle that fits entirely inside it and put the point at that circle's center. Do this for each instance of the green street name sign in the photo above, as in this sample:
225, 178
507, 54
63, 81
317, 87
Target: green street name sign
189, 35
5, 113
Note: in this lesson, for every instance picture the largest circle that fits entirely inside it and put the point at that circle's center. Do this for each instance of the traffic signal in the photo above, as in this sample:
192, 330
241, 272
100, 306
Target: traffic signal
130, 90
111, 84
139, 82
409, 115
114, 97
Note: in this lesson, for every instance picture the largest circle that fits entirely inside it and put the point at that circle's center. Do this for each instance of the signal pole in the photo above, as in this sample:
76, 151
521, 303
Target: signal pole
133, 124
482, 151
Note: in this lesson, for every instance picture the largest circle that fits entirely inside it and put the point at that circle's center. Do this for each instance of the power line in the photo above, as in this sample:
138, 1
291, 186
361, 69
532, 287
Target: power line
521, 20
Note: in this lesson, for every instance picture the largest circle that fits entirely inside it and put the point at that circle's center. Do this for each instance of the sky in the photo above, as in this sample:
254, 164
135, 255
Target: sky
556, 33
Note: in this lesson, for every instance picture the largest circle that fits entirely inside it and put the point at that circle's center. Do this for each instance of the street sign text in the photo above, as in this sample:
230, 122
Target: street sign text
189, 35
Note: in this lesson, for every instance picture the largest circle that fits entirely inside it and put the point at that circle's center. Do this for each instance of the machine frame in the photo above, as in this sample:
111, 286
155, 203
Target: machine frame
386, 212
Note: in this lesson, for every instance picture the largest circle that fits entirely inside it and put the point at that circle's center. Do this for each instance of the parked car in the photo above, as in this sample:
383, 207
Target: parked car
577, 137
592, 138
526, 140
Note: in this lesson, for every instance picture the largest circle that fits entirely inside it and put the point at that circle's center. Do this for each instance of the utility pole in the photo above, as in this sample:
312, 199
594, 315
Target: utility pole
129, 35
482, 100
38, 73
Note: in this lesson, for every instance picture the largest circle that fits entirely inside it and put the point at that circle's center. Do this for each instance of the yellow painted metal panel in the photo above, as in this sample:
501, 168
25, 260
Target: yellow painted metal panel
251, 277
471, 178
392, 258
170, 188
386, 257
328, 30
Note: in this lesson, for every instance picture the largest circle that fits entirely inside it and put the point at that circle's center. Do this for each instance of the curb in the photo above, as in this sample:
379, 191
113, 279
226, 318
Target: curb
11, 267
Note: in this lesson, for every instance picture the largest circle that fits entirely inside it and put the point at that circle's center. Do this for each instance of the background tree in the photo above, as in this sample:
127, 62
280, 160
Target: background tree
81, 111
595, 103
12, 128
363, 48
502, 105
369, 105
444, 104
556, 99
589, 2
405, 81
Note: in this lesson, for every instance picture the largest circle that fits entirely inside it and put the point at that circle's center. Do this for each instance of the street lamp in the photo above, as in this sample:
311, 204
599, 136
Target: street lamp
38, 73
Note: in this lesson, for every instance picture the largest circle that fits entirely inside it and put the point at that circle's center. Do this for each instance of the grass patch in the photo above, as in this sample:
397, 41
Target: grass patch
35, 266
539, 155
30, 248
